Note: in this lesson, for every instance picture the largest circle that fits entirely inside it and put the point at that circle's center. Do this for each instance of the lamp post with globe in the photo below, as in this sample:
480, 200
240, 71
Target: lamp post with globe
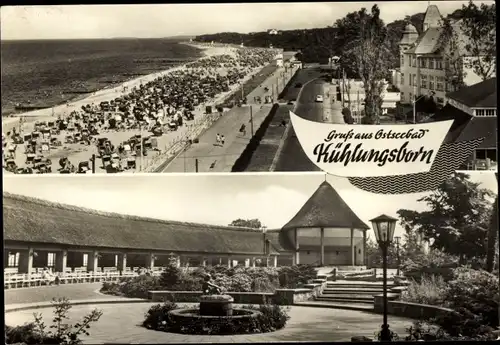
383, 227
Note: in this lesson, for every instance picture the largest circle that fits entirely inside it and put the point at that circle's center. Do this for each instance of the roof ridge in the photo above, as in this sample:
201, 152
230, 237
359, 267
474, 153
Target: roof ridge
86, 210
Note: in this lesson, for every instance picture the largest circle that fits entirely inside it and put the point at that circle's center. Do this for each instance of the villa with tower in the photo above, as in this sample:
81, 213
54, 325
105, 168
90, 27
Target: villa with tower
423, 62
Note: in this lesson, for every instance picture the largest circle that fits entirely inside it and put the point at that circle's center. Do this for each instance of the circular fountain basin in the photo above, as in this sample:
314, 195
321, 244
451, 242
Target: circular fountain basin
216, 305
191, 317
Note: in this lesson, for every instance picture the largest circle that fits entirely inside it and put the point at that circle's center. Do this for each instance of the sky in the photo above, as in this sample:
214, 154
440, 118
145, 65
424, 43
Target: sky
212, 198
165, 20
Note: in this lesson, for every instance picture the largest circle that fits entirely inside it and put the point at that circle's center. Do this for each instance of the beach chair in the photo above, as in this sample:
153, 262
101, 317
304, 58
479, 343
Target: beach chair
30, 158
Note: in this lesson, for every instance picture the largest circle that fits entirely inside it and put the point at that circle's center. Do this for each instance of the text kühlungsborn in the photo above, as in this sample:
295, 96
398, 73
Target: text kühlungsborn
344, 154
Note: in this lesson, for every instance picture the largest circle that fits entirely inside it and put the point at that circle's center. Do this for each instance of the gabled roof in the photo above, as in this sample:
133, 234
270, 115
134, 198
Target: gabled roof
33, 220
325, 208
480, 95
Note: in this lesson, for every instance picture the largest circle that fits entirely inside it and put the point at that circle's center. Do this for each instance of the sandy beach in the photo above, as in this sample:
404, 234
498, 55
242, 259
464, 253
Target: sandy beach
166, 144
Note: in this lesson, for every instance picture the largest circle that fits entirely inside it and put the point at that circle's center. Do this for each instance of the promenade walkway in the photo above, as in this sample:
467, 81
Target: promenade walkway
216, 158
120, 322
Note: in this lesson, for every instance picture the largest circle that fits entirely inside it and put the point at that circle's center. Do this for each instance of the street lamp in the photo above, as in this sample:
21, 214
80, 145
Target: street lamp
384, 227
397, 239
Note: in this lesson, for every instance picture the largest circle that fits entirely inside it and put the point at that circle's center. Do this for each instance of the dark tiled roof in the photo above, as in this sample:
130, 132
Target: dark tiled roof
480, 95
325, 208
481, 127
37, 221
461, 119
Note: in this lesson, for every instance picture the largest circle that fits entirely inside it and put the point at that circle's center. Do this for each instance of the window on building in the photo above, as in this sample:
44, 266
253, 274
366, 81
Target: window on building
13, 260
51, 259
413, 61
423, 81
479, 112
491, 112
85, 259
431, 82
439, 63
486, 154
440, 83
421, 62
411, 97
432, 63
402, 60
414, 80
402, 96
402, 79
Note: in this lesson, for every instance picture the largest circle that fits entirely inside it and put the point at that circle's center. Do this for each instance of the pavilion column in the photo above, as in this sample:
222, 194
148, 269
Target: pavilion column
150, 261
26, 261
297, 253
353, 263
229, 261
204, 262
322, 253
61, 261
178, 260
93, 261
253, 262
364, 249
122, 262
275, 261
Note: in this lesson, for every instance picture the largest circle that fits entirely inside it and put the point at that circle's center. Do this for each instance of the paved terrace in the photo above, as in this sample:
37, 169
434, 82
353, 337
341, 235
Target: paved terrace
120, 321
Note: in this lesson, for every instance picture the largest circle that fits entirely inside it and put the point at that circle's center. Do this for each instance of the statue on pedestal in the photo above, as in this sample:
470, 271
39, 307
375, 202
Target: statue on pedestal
209, 288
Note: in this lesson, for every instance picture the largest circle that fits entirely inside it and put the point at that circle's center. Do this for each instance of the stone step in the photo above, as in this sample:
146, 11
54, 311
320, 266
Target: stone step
357, 286
370, 292
337, 305
345, 300
354, 288
348, 296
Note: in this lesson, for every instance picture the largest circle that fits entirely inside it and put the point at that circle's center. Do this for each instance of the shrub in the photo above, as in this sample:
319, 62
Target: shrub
430, 290
157, 316
435, 263
139, 286
425, 331
295, 276
474, 294
22, 334
171, 275
59, 333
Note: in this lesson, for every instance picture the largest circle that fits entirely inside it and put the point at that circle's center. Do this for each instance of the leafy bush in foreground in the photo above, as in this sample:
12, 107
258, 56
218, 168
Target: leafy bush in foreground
59, 333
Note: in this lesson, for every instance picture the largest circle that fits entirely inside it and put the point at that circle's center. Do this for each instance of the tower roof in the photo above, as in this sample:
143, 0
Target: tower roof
432, 17
325, 208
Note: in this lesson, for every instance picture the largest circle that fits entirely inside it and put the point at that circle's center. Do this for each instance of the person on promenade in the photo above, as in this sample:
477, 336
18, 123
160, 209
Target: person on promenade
217, 139
222, 140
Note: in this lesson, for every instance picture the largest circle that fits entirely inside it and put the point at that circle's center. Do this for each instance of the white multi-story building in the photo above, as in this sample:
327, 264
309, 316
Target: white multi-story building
423, 67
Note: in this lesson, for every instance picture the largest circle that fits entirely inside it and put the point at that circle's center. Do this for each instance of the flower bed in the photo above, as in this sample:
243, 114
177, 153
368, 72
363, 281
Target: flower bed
238, 279
268, 318
465, 307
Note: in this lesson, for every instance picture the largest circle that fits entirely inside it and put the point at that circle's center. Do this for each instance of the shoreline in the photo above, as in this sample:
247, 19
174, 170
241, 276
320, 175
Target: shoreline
104, 94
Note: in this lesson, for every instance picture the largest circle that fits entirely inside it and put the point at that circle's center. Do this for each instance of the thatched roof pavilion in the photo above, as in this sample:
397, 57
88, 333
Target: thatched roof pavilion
325, 209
